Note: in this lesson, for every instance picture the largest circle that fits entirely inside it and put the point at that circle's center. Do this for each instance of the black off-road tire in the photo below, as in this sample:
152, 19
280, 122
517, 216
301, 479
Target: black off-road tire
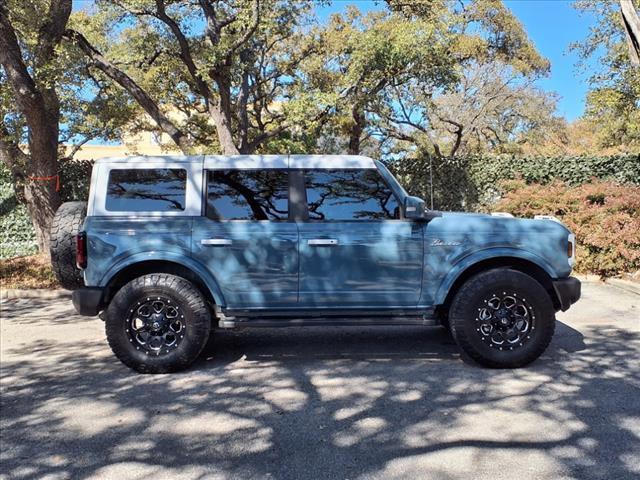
64, 228
501, 283
195, 317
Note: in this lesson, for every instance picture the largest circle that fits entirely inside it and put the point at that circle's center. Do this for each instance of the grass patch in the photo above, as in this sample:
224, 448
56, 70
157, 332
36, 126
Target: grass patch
29, 272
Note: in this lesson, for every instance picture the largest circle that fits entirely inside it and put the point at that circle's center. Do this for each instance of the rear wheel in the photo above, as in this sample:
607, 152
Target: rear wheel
502, 318
158, 323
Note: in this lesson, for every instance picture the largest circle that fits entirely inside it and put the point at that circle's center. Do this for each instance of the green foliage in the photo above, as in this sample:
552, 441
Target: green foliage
75, 179
605, 216
17, 236
474, 182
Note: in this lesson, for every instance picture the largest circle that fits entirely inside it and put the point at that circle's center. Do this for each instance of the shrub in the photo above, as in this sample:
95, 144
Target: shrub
604, 215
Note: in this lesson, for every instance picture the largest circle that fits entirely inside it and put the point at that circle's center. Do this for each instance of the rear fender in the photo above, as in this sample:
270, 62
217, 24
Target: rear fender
198, 269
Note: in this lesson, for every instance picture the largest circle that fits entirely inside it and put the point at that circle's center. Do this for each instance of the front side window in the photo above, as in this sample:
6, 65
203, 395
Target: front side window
349, 195
247, 195
146, 190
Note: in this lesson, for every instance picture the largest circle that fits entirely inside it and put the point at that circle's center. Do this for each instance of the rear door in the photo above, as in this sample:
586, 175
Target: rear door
355, 250
246, 238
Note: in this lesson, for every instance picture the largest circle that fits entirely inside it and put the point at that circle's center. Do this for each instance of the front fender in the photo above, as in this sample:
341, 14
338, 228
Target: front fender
177, 258
445, 284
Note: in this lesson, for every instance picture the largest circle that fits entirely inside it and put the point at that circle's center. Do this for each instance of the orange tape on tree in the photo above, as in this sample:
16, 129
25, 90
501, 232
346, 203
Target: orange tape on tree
47, 179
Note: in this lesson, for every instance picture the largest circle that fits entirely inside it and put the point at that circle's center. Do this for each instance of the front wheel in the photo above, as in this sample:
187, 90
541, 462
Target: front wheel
158, 323
502, 318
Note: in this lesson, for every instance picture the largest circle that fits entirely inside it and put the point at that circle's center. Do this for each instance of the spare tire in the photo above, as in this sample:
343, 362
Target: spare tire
64, 228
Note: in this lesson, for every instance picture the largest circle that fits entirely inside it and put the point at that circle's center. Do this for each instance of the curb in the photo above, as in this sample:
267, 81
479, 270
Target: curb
622, 284
588, 278
632, 287
12, 293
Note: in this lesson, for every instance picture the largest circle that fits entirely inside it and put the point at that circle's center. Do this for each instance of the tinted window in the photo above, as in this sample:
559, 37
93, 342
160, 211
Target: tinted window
349, 195
146, 190
248, 195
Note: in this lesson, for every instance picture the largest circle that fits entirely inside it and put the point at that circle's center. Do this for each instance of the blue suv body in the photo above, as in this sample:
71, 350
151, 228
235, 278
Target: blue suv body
306, 240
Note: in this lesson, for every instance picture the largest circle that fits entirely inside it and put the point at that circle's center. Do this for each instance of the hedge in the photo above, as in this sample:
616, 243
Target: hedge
17, 236
472, 182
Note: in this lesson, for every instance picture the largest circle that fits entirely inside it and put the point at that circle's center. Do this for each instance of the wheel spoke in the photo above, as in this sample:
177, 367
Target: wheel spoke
156, 325
504, 321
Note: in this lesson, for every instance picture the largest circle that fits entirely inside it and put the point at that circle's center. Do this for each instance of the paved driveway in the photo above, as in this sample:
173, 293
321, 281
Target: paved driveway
322, 403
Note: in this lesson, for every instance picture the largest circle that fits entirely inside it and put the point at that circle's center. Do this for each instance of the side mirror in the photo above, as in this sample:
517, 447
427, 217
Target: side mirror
416, 209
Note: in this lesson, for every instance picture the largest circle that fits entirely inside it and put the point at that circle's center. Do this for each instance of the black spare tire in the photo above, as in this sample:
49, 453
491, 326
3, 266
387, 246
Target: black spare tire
64, 228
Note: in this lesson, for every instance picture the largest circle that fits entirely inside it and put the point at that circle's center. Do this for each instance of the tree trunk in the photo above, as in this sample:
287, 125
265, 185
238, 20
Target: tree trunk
357, 128
42, 202
631, 24
223, 129
221, 112
40, 106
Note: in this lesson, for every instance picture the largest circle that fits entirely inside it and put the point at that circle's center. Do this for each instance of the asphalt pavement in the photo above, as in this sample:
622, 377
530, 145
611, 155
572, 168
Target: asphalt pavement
315, 403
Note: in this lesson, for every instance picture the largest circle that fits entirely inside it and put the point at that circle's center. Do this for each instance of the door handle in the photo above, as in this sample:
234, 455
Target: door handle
322, 242
216, 242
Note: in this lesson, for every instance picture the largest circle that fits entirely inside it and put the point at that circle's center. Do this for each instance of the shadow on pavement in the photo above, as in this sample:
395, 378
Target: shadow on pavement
323, 403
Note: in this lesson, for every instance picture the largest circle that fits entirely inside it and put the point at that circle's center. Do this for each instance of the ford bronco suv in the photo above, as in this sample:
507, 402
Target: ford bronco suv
169, 248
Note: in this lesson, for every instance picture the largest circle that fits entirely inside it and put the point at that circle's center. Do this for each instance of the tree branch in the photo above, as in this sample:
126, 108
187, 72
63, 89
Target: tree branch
185, 50
247, 35
52, 29
28, 97
126, 82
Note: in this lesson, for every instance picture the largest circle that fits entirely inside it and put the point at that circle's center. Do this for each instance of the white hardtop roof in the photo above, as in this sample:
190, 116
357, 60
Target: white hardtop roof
249, 162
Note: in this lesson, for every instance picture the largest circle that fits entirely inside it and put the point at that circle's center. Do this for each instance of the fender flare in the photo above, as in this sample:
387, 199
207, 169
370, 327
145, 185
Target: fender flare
189, 263
476, 257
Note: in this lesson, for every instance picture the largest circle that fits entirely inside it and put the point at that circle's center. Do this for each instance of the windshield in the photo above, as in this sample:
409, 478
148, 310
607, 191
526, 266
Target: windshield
393, 183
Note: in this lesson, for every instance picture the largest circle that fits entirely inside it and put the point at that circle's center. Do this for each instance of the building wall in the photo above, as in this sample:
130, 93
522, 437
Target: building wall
146, 143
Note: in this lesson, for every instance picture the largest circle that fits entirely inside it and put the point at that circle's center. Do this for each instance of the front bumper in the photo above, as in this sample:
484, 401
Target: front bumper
88, 301
567, 291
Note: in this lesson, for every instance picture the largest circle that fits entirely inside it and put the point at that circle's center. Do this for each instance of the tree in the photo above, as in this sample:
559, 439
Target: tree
30, 34
490, 108
465, 82
613, 101
47, 100
235, 72
366, 55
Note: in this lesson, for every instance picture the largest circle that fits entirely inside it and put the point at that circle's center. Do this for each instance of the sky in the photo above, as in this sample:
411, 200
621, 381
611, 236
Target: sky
551, 24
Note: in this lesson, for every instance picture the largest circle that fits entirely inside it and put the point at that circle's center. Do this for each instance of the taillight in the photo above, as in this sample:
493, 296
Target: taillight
81, 250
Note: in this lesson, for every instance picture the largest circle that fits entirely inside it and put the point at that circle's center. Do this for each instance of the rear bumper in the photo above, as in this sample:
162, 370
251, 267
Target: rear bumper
567, 290
87, 301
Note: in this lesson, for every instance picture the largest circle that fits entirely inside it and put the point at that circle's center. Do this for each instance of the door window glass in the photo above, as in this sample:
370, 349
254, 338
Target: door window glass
247, 195
349, 195
146, 190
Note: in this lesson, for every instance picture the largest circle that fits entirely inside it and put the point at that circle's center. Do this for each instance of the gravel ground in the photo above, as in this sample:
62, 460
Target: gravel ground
339, 403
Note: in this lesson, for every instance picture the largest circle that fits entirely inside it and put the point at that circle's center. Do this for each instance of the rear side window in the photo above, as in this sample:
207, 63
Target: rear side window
146, 190
349, 195
248, 195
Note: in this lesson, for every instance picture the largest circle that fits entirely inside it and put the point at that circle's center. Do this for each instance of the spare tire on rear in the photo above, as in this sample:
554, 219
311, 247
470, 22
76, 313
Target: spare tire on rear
64, 228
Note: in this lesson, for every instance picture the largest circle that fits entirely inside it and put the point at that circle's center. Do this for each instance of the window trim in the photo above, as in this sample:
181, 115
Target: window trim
305, 200
215, 218
192, 207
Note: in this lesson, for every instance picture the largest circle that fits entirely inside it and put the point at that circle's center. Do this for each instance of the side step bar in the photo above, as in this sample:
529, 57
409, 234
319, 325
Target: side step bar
232, 322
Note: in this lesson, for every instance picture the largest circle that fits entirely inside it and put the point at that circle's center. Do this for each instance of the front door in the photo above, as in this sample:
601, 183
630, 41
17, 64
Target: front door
355, 250
246, 239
